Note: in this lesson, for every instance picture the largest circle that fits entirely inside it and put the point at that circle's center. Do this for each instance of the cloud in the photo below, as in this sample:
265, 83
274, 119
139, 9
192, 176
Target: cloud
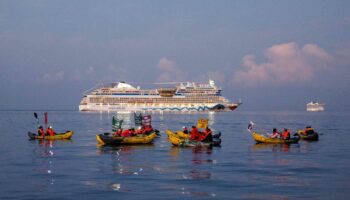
218, 76
287, 63
169, 71
342, 54
116, 73
107, 73
58, 76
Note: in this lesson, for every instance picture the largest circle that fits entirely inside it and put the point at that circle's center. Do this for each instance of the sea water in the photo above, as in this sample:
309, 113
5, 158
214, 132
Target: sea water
239, 169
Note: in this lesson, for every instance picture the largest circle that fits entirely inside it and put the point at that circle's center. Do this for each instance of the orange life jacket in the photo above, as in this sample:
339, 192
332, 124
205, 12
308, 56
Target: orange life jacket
286, 135
50, 132
126, 133
195, 134
41, 132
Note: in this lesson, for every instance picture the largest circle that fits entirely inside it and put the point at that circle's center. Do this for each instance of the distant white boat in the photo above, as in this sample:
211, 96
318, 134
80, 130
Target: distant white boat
315, 106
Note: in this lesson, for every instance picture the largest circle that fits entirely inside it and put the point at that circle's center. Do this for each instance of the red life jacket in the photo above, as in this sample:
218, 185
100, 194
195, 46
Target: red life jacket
126, 133
118, 132
195, 134
50, 132
286, 135
41, 132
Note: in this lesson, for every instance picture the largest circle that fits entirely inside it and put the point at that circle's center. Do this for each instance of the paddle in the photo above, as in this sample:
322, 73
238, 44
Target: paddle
36, 117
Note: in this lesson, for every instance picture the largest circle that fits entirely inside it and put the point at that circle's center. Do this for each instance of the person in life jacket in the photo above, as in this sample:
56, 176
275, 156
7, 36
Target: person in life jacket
41, 131
50, 131
275, 133
126, 133
286, 134
118, 133
308, 130
139, 130
195, 135
185, 130
207, 135
148, 129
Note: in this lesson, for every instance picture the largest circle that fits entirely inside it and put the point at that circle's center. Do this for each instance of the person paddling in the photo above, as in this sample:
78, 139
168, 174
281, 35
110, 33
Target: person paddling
275, 133
50, 131
207, 135
185, 130
308, 130
195, 135
286, 134
41, 131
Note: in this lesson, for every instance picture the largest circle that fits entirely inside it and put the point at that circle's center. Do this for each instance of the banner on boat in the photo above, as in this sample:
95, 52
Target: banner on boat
116, 123
202, 123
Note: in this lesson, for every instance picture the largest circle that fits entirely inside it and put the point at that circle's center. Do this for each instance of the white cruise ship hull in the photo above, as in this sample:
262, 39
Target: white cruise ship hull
207, 107
184, 97
318, 109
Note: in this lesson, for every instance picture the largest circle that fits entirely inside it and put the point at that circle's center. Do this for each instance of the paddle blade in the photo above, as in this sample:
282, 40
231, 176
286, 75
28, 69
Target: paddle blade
46, 118
36, 115
250, 126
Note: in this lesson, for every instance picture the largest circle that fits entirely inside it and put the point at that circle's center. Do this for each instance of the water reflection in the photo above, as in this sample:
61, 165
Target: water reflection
274, 147
123, 160
43, 159
197, 175
174, 152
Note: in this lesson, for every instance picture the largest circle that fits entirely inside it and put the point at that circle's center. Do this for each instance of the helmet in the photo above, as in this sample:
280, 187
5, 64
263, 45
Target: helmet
50, 127
184, 127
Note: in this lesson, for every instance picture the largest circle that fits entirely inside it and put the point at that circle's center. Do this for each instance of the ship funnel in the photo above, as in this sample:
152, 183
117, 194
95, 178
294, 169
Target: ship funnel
211, 83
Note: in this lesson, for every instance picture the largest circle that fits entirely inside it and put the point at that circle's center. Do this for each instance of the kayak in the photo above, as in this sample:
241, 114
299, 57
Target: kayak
259, 138
60, 136
310, 137
106, 139
139, 139
181, 134
176, 140
188, 135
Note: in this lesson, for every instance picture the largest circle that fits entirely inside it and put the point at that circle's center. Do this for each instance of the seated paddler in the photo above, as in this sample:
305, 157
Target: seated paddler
50, 131
41, 131
207, 135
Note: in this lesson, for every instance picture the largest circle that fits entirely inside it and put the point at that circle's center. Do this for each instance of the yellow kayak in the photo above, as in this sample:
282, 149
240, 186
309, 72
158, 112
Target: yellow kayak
60, 136
259, 138
183, 135
176, 140
140, 139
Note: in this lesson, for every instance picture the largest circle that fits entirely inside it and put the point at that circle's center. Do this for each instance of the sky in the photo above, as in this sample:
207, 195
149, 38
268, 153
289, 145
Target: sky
272, 55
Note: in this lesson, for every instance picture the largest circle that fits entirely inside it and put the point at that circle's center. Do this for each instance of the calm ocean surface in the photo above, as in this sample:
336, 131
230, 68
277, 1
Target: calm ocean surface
240, 169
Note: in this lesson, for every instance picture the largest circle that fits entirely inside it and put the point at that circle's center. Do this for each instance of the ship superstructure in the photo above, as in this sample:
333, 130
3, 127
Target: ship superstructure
185, 96
314, 106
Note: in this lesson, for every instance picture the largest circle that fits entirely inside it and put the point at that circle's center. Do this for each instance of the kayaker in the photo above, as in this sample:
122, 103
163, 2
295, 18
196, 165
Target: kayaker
50, 131
275, 133
118, 133
139, 131
148, 129
207, 135
308, 130
41, 131
195, 135
185, 130
126, 133
286, 134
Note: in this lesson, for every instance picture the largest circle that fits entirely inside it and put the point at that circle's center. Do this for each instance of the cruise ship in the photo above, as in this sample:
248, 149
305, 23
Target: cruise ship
186, 96
314, 106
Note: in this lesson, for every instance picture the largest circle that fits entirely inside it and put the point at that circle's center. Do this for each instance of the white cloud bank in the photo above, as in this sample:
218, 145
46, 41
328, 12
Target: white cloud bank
287, 63
169, 71
58, 76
